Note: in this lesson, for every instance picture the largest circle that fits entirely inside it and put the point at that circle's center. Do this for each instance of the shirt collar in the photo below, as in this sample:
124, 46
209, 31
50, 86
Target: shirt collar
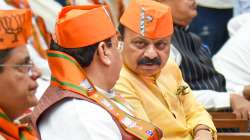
109, 94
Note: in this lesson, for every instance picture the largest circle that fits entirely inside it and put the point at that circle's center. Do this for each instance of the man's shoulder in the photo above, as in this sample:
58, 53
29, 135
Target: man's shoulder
73, 115
171, 66
73, 108
127, 74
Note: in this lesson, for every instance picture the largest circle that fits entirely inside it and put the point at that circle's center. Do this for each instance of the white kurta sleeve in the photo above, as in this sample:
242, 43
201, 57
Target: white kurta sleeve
78, 120
232, 60
211, 99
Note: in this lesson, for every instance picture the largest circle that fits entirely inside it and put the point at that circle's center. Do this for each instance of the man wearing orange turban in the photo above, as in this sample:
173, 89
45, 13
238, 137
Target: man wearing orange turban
48, 9
151, 82
85, 63
17, 74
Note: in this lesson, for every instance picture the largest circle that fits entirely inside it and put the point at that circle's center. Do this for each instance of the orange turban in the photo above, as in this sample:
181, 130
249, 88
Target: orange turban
148, 18
15, 28
80, 26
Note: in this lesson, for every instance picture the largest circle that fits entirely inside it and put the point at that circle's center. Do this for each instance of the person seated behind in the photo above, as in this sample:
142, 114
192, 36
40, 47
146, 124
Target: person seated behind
151, 82
209, 86
85, 64
17, 74
233, 59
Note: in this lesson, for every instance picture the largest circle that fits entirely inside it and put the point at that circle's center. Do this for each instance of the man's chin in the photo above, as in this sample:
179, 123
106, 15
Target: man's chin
32, 100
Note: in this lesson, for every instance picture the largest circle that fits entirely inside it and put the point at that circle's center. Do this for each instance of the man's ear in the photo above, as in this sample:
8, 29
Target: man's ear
103, 54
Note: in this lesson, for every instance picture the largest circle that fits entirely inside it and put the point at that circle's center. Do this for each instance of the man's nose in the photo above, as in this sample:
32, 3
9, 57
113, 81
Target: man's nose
151, 52
36, 73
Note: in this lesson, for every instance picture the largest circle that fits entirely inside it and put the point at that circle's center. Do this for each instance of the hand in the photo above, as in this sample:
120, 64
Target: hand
203, 135
246, 92
240, 106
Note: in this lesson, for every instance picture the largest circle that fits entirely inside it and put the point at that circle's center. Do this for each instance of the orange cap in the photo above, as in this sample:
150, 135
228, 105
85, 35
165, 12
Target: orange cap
80, 26
148, 18
15, 28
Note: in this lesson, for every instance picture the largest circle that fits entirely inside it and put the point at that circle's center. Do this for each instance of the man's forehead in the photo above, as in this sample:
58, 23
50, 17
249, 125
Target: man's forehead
19, 54
134, 35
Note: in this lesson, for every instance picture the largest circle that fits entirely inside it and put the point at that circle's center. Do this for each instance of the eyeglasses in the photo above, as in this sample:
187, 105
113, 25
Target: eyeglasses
24, 68
120, 44
108, 42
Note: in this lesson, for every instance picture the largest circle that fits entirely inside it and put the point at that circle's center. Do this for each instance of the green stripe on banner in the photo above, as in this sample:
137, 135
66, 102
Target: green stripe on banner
143, 137
64, 57
22, 137
82, 90
4, 116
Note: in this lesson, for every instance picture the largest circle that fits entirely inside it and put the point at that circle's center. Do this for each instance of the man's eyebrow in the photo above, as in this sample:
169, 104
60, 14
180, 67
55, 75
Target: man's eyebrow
162, 40
139, 38
165, 40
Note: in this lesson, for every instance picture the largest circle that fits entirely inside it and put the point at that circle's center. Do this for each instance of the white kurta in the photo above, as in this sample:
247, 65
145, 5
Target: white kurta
233, 60
210, 99
76, 119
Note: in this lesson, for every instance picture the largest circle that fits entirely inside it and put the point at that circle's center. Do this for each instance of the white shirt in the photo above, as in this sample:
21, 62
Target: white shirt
210, 99
241, 6
237, 22
76, 119
218, 4
233, 60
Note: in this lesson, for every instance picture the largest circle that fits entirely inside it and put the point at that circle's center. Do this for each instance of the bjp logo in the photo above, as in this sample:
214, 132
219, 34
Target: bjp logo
12, 25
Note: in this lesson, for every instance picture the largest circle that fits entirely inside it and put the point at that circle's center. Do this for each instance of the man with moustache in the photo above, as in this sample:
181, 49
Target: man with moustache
209, 86
80, 103
151, 82
17, 74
